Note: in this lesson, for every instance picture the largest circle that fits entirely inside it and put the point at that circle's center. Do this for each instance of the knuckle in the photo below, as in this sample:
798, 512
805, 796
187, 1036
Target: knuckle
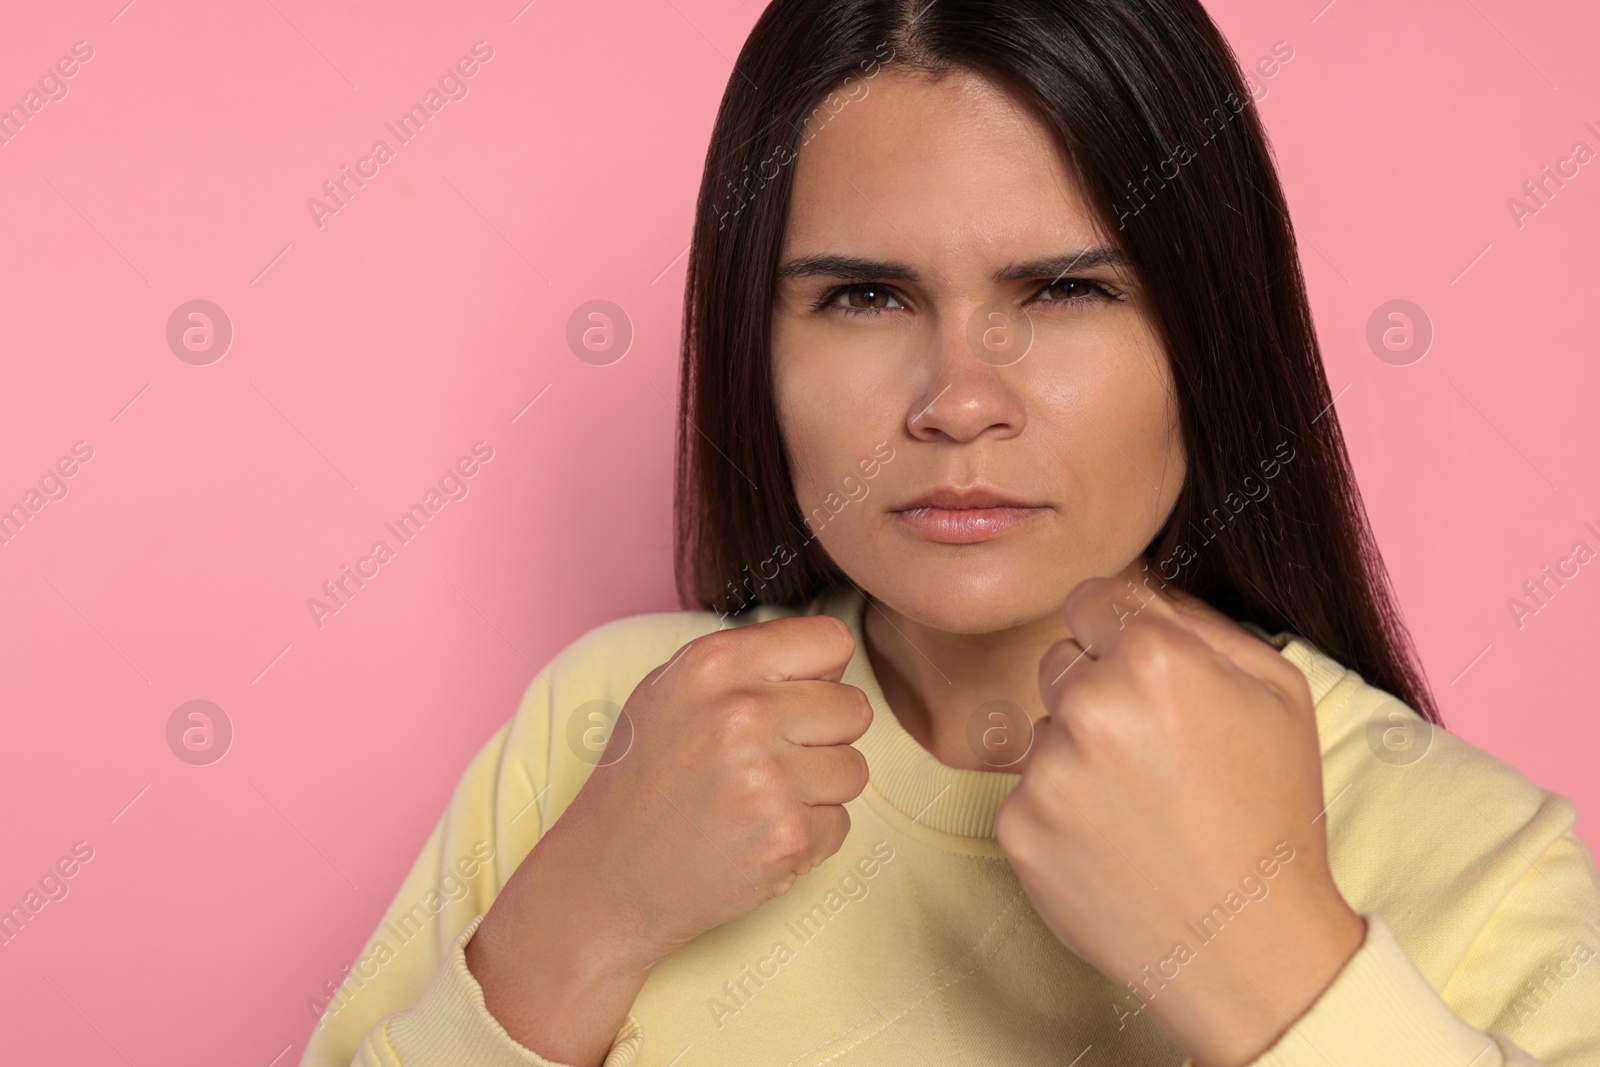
742, 721
856, 768
1045, 745
1093, 721
1004, 818
838, 627
712, 653
1079, 701
756, 778
862, 706
844, 828
785, 837
1011, 821
1296, 687
1152, 656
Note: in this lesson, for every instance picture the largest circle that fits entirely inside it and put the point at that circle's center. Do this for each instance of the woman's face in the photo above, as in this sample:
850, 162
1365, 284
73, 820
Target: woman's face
949, 340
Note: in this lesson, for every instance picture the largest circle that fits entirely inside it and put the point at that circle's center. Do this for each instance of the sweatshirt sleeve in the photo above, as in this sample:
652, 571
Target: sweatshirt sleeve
1380, 1009
409, 1000
1530, 972
450, 1025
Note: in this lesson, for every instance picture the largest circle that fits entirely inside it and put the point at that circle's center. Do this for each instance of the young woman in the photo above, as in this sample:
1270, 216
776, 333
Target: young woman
1043, 700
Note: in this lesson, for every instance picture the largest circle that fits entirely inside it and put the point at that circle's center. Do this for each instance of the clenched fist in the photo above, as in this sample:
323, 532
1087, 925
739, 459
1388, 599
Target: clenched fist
1178, 764
732, 786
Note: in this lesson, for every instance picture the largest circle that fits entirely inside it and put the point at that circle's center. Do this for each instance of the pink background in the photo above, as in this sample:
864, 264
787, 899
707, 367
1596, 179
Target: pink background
372, 352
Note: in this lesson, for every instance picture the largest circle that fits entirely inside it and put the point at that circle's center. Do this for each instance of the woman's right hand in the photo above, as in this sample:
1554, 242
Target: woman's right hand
731, 787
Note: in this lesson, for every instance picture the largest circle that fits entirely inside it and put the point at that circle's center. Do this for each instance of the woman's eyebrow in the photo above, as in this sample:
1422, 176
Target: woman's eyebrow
1056, 266
857, 269
848, 268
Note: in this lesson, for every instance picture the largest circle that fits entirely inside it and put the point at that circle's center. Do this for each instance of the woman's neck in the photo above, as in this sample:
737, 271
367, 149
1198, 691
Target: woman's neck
937, 683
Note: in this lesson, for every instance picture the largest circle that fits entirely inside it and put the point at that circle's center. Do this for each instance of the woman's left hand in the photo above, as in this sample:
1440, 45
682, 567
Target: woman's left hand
1168, 826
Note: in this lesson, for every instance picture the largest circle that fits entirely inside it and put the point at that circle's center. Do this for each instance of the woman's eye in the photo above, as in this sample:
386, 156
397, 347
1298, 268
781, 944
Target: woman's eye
1072, 291
862, 299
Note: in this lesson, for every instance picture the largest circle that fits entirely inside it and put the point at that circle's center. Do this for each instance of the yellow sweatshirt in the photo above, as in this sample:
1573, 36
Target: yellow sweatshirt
915, 944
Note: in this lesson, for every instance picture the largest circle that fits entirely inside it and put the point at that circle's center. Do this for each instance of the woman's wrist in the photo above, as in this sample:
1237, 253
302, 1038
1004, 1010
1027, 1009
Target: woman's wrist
557, 973
1262, 986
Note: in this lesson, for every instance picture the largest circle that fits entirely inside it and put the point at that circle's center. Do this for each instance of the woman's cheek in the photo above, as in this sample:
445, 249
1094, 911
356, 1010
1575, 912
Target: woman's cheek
1114, 452
1140, 412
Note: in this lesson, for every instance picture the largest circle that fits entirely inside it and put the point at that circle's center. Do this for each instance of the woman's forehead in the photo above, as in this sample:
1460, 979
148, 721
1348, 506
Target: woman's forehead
954, 166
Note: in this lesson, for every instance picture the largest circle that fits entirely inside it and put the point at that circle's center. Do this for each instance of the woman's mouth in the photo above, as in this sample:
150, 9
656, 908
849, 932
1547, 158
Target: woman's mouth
960, 526
958, 517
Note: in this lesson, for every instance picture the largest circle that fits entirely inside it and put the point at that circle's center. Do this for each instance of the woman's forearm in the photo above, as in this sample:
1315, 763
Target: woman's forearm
557, 972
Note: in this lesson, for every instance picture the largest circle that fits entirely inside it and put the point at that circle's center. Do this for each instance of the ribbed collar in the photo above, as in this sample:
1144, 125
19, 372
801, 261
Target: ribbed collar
953, 800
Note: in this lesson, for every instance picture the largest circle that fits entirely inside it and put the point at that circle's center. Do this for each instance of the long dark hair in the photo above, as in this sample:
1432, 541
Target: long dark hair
1149, 107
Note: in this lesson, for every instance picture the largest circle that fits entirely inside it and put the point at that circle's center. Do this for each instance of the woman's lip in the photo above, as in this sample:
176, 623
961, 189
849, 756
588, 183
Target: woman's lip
960, 526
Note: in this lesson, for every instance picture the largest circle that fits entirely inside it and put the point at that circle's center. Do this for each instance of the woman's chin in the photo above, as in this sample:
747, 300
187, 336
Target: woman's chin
969, 603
